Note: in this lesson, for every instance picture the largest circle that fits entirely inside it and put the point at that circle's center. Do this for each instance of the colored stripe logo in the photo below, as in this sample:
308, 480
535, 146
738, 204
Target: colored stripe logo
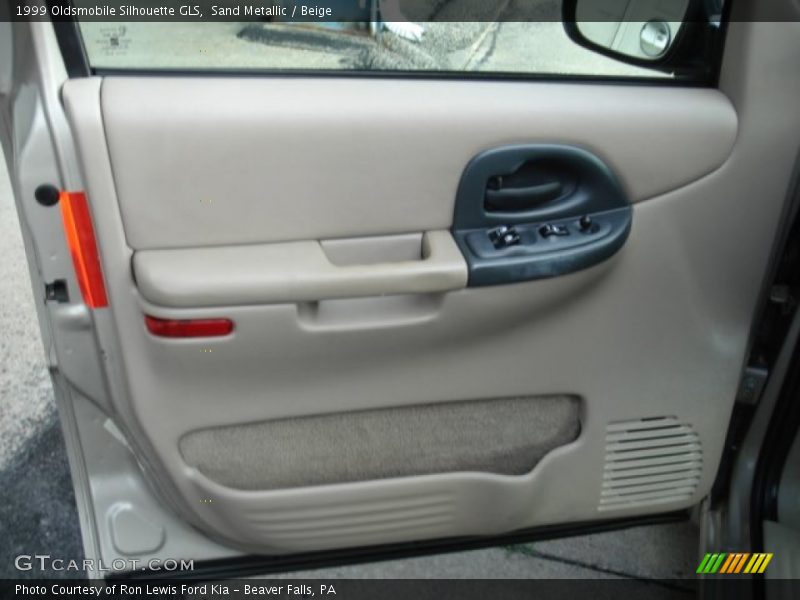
733, 563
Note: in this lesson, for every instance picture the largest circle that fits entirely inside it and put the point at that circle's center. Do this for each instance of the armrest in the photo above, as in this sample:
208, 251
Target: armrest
290, 272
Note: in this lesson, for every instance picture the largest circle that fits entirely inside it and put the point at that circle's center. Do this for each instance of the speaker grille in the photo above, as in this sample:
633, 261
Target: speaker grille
650, 461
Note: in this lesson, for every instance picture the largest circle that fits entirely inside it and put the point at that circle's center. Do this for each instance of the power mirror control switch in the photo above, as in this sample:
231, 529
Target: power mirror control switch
503, 236
548, 230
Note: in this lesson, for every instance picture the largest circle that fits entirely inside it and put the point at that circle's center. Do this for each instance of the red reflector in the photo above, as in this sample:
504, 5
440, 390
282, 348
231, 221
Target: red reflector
188, 328
83, 248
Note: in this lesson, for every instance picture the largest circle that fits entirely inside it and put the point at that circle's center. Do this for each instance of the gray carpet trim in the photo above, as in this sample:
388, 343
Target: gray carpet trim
505, 436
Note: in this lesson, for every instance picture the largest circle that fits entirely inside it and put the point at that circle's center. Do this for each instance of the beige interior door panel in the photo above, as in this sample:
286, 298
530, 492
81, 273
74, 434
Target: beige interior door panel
307, 159
315, 217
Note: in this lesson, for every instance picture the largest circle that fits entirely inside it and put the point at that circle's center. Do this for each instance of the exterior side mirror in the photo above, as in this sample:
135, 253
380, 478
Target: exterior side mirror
649, 33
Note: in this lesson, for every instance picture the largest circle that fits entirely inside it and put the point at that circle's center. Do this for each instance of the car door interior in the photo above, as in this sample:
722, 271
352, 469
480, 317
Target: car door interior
434, 308
325, 421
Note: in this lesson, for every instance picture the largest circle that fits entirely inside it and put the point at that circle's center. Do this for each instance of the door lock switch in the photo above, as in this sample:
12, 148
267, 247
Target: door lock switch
504, 236
547, 230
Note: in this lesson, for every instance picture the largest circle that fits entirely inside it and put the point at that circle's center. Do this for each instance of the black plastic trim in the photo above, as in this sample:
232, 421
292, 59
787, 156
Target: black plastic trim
587, 188
418, 75
718, 50
248, 566
70, 42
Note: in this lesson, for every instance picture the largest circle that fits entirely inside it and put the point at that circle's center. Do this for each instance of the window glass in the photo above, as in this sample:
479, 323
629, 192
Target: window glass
229, 35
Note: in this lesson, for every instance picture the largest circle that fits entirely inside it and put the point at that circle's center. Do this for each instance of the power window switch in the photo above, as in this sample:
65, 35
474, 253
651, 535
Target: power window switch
503, 236
548, 230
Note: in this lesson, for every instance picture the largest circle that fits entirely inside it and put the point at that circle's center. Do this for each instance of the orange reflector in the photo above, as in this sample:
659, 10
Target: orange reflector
83, 248
189, 328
